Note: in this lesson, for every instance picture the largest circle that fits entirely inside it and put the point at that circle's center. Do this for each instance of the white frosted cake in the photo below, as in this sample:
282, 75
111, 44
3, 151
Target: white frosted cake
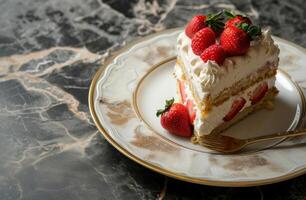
222, 84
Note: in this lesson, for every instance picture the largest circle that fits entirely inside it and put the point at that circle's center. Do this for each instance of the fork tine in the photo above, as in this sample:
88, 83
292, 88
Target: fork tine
213, 146
213, 142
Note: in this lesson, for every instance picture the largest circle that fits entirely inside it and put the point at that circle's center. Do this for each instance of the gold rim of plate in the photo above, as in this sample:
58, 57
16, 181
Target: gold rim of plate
164, 171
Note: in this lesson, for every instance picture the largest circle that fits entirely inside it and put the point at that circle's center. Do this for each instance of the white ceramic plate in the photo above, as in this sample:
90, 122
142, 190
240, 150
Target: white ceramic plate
133, 84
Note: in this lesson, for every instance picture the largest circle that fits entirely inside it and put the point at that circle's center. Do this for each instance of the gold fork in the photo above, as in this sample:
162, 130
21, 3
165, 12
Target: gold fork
227, 144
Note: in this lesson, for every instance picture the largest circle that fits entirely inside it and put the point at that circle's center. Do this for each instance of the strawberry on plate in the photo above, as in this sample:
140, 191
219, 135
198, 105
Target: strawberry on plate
213, 53
259, 93
175, 119
236, 107
202, 39
194, 25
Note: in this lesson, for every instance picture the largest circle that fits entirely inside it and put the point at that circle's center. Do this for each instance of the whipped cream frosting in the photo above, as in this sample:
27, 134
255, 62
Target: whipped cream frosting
209, 79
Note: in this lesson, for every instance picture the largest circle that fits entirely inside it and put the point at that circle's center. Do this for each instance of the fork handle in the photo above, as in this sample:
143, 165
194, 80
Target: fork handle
277, 135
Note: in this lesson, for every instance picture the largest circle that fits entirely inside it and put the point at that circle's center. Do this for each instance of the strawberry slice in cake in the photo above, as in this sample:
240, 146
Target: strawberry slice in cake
225, 70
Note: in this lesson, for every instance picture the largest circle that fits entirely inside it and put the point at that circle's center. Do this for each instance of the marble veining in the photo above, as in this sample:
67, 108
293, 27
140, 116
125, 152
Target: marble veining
50, 50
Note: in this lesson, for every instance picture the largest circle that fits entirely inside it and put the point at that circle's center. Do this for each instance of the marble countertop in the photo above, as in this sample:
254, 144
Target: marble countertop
49, 146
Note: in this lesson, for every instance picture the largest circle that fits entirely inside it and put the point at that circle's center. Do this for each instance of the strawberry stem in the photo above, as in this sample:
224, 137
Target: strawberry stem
167, 107
214, 21
229, 14
251, 30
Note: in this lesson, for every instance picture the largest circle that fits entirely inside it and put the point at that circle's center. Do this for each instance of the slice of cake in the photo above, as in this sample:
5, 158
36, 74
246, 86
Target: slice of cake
224, 72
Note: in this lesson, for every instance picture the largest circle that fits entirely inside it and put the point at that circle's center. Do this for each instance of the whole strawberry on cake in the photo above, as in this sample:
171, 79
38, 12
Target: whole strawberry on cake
225, 70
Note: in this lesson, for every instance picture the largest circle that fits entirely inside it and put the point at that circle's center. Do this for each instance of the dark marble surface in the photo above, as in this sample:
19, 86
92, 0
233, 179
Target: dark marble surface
49, 146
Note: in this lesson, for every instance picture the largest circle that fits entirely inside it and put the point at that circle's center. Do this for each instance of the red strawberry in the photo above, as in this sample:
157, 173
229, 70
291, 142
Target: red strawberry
195, 24
259, 93
202, 39
236, 107
234, 41
237, 20
182, 91
175, 119
191, 111
214, 53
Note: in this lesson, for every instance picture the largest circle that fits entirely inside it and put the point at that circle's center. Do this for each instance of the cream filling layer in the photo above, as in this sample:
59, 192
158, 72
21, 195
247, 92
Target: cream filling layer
204, 126
209, 79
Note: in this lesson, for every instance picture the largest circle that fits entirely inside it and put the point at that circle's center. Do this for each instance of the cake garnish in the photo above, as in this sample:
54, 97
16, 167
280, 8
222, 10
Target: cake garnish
215, 21
234, 19
209, 75
235, 40
175, 119
195, 24
230, 39
215, 53
202, 39
198, 22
